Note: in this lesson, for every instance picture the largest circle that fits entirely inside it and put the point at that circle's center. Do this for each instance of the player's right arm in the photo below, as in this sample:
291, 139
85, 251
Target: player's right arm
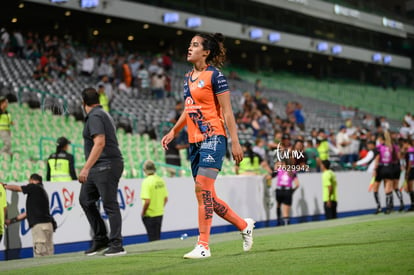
174, 131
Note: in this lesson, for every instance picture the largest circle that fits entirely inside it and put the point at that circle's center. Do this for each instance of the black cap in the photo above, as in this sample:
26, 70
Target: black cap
36, 177
286, 136
247, 144
326, 163
62, 141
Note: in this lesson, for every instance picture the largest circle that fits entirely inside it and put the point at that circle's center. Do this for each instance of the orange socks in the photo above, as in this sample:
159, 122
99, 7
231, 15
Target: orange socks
223, 210
208, 203
204, 193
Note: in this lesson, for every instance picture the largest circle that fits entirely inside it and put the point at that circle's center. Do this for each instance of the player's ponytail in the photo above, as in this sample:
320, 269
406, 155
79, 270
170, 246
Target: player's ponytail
387, 139
214, 43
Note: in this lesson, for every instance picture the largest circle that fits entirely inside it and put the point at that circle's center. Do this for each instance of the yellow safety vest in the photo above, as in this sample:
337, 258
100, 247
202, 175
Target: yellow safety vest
104, 101
246, 166
59, 170
5, 121
323, 150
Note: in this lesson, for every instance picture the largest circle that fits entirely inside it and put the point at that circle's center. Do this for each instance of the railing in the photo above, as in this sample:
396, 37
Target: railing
43, 94
162, 164
43, 139
131, 117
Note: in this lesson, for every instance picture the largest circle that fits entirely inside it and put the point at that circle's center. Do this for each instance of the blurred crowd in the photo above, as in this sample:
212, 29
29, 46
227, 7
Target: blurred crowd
117, 70
267, 133
106, 61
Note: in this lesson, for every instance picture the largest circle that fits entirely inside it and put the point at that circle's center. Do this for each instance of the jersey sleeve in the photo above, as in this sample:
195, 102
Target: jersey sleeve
219, 83
96, 126
26, 189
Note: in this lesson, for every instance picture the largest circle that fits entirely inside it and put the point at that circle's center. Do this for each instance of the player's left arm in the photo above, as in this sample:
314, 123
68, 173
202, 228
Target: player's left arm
330, 192
296, 184
145, 207
225, 104
15, 188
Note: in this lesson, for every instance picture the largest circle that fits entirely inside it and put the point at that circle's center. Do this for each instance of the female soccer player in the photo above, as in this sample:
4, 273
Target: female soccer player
384, 170
409, 170
207, 108
287, 183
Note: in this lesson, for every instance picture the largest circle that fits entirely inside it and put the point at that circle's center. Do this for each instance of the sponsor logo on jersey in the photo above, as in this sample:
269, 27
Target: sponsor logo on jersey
209, 158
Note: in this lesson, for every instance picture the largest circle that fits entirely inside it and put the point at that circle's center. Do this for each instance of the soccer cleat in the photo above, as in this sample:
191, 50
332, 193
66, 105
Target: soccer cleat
379, 210
198, 252
247, 234
96, 247
401, 208
115, 251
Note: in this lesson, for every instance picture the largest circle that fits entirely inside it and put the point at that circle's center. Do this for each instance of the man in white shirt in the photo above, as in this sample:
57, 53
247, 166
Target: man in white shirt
88, 65
343, 143
4, 39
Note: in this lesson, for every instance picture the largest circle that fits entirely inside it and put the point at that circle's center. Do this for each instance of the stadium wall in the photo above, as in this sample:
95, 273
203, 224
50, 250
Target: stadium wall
245, 194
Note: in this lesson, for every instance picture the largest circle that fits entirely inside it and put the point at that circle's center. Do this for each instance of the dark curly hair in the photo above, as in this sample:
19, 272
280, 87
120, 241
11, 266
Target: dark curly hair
214, 43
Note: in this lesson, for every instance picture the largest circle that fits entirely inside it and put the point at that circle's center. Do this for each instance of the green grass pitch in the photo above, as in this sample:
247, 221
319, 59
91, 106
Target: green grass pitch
369, 244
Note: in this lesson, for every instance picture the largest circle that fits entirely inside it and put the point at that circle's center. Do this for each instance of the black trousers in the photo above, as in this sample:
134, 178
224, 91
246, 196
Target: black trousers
153, 227
102, 183
330, 212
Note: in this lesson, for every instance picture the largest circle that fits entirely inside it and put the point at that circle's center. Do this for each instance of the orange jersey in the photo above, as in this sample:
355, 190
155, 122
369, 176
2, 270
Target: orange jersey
204, 115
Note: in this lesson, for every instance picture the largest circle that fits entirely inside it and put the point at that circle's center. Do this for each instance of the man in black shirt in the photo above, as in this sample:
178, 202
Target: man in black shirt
37, 214
100, 176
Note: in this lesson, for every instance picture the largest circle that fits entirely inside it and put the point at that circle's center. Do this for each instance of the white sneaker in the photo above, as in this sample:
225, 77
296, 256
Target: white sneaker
198, 252
247, 234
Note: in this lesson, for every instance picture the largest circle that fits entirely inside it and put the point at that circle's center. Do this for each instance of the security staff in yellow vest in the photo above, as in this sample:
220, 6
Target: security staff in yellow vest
60, 165
252, 162
5, 123
103, 98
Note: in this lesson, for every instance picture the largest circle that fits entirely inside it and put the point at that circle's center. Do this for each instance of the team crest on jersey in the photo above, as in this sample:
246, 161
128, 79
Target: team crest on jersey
200, 84
189, 101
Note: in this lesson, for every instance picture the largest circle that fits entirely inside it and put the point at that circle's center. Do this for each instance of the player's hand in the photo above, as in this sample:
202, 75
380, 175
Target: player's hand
83, 175
237, 152
329, 204
167, 139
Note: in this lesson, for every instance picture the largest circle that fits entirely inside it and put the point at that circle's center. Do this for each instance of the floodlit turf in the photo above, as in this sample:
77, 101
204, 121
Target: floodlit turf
359, 245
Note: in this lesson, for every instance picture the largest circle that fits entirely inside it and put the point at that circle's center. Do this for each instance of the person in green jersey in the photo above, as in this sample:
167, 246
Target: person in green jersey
312, 156
154, 195
329, 190
252, 162
103, 98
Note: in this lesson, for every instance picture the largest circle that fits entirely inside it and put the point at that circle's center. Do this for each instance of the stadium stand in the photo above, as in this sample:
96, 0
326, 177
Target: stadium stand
322, 103
142, 119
